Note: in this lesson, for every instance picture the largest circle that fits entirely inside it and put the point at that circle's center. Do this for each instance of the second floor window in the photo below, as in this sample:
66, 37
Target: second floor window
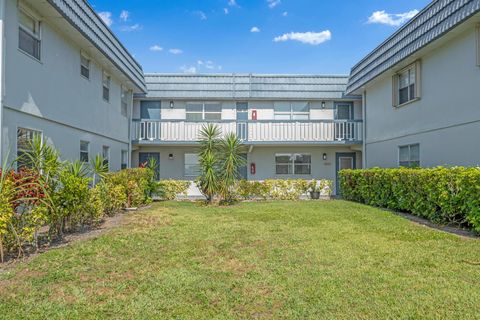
124, 103
29, 34
106, 87
84, 66
407, 85
204, 111
124, 159
292, 110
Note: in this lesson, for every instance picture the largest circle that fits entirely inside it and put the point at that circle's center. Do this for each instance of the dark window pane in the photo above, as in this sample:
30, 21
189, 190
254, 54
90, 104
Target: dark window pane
213, 116
302, 169
106, 94
150, 110
84, 156
194, 116
412, 92
194, 107
85, 72
283, 169
403, 95
29, 44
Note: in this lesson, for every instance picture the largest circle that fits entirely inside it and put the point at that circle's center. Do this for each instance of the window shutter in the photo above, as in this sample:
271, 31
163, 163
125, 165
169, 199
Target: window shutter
395, 90
418, 79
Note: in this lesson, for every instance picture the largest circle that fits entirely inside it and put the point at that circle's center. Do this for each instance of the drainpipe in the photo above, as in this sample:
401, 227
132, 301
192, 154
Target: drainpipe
130, 123
364, 112
2, 75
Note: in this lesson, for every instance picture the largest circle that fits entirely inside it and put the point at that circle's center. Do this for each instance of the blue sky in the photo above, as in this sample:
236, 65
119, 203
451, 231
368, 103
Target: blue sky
258, 36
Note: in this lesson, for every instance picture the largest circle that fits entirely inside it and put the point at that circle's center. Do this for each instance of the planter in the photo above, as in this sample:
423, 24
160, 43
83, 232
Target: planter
315, 195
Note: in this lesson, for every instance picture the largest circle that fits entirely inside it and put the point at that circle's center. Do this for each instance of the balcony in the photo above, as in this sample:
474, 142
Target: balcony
251, 132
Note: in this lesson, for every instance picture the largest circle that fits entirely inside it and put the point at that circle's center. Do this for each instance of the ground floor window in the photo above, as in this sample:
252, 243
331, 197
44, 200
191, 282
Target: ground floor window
409, 156
192, 166
124, 159
298, 163
25, 139
106, 156
84, 148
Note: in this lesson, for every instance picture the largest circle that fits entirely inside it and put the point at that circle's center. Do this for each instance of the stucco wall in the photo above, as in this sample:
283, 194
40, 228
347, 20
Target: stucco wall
53, 89
445, 121
265, 110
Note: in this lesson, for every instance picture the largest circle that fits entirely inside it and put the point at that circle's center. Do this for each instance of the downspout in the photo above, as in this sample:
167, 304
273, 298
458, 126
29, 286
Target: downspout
130, 123
364, 112
2, 74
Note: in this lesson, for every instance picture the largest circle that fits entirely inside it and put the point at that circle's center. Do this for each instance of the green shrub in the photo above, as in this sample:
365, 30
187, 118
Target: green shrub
443, 195
279, 189
135, 183
170, 189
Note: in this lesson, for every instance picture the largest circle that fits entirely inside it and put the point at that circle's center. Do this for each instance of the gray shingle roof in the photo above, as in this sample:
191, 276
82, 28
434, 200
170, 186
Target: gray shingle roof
82, 16
431, 23
245, 86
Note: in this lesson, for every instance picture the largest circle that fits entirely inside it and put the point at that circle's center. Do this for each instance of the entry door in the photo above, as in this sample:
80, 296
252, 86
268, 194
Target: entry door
344, 161
144, 157
343, 126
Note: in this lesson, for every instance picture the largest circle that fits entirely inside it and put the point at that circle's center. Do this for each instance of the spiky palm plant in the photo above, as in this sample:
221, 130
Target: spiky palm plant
99, 169
209, 180
78, 169
231, 160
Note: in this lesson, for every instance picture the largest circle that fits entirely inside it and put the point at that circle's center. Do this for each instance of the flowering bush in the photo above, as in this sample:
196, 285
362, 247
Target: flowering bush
170, 189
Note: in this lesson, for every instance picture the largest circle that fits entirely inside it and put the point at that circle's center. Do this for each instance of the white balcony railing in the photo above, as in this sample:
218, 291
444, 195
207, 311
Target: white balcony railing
252, 131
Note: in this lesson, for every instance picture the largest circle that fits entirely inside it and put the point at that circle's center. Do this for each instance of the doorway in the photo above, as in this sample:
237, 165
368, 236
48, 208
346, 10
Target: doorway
343, 161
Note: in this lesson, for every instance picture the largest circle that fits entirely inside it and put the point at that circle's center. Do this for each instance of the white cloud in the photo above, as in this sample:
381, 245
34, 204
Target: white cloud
124, 15
190, 70
273, 3
226, 11
200, 62
232, 3
106, 17
175, 51
200, 14
255, 29
313, 38
285, 14
391, 19
156, 48
133, 27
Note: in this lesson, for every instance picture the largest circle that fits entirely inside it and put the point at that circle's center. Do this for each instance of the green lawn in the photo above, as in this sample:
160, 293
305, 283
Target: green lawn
278, 260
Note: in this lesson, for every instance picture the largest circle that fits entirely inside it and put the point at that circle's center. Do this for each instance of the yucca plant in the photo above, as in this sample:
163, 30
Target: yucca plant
78, 169
209, 180
231, 160
99, 169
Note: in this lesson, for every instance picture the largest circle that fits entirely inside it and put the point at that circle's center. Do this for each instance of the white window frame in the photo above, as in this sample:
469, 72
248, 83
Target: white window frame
106, 85
415, 80
203, 112
86, 66
85, 151
124, 101
17, 147
36, 35
106, 159
411, 162
124, 158
292, 114
191, 164
292, 163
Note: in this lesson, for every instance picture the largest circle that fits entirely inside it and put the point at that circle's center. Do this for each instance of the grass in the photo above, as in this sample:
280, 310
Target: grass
279, 260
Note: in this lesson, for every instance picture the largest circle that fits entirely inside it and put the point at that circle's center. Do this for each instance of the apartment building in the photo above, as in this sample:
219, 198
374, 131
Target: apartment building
421, 92
293, 126
66, 78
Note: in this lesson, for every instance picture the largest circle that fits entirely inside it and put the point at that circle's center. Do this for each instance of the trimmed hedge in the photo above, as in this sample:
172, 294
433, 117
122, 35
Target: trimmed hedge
442, 195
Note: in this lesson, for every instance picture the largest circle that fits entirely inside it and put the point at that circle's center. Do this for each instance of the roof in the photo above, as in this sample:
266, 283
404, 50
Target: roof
245, 86
81, 15
439, 17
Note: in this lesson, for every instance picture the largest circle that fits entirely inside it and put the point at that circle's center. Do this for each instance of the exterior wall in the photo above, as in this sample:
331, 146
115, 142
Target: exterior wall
53, 90
445, 121
265, 109
263, 157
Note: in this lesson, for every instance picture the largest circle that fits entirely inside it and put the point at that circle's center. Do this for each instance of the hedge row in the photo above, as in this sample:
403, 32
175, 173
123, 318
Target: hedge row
442, 195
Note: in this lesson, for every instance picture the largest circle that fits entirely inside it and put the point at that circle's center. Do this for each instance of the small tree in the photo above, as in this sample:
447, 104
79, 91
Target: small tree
209, 180
231, 160
99, 169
